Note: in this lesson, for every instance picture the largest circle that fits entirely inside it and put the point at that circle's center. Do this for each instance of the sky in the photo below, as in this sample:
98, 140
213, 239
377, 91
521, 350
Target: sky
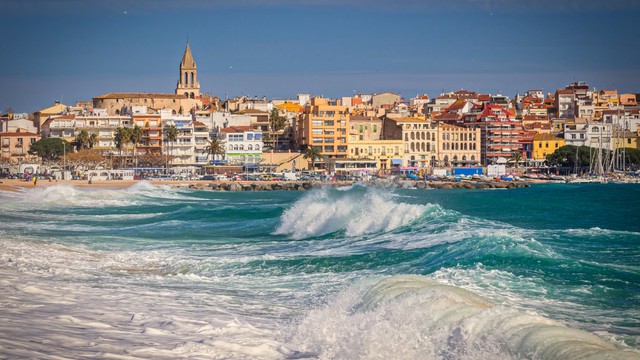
74, 50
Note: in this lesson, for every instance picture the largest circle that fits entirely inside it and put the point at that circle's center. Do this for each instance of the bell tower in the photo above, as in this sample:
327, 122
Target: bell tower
188, 81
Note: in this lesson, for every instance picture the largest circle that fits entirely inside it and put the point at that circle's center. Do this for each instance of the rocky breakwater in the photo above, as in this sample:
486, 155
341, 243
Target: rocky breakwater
385, 183
255, 186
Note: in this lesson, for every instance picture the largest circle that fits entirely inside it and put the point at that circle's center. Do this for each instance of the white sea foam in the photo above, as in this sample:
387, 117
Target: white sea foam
323, 212
412, 317
69, 195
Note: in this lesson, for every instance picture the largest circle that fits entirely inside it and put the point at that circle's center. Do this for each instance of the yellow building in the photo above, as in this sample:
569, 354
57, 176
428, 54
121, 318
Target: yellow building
323, 124
381, 151
627, 140
545, 144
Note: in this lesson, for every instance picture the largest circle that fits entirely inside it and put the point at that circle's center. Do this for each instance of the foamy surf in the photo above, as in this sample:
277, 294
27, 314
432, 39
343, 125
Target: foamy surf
413, 317
323, 211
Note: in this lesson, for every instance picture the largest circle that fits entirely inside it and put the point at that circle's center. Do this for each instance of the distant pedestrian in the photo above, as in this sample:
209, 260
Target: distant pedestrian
35, 180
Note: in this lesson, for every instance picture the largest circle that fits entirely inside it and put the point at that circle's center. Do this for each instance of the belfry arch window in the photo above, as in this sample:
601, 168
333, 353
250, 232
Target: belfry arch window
192, 78
186, 78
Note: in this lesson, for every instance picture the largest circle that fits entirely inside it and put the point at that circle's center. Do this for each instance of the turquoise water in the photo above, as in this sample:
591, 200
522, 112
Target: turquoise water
547, 272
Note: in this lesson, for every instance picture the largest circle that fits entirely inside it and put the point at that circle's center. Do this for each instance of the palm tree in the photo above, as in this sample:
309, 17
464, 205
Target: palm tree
121, 138
82, 140
171, 135
93, 140
276, 123
214, 148
136, 136
516, 157
312, 153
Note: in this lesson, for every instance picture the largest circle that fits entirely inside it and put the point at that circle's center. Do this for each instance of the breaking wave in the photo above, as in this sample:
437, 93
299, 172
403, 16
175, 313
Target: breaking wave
322, 212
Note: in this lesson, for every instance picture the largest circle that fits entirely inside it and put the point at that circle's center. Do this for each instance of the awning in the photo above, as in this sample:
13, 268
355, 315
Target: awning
396, 161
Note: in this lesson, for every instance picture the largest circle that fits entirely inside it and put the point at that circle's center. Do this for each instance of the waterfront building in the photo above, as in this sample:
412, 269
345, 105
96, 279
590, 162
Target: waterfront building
182, 149
201, 139
381, 152
595, 134
500, 133
456, 146
151, 140
419, 137
545, 144
15, 144
323, 124
243, 145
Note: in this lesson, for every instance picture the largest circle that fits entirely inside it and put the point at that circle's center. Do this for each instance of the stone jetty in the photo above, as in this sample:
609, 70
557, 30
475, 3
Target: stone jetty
384, 183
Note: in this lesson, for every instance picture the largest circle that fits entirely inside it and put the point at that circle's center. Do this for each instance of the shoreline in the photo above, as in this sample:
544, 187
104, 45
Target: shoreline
15, 185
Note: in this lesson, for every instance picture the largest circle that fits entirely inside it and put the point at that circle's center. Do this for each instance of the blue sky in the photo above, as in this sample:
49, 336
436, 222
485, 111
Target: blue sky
74, 50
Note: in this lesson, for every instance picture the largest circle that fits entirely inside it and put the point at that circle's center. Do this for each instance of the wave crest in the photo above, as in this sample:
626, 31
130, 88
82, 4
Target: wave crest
323, 211
411, 317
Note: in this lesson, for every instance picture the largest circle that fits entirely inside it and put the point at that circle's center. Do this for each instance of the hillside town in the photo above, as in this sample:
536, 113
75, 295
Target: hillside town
129, 134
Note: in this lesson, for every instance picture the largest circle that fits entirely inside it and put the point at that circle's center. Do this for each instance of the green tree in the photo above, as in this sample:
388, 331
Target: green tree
170, 133
82, 140
276, 123
566, 156
93, 140
312, 153
136, 136
632, 157
122, 137
50, 149
516, 158
214, 148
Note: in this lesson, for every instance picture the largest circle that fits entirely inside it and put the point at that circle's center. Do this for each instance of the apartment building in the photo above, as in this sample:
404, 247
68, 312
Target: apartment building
324, 124
243, 145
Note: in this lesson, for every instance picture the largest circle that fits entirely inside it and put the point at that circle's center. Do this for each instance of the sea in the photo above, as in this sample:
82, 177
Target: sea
159, 272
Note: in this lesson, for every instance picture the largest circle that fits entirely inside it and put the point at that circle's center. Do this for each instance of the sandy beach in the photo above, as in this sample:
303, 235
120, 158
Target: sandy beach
16, 185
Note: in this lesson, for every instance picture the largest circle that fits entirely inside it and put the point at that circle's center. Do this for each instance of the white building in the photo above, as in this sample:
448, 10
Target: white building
183, 149
591, 134
243, 145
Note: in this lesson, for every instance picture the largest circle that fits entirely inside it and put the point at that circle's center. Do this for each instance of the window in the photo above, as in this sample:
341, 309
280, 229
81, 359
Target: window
375, 128
249, 136
328, 123
316, 131
316, 123
257, 136
361, 128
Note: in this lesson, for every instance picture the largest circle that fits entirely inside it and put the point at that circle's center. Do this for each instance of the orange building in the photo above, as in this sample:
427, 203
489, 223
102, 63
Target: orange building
323, 124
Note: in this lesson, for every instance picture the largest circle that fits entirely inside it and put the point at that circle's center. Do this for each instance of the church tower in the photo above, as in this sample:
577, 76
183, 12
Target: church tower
188, 82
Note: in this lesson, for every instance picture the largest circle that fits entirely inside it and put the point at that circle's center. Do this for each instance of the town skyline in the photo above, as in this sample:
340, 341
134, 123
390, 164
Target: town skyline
73, 51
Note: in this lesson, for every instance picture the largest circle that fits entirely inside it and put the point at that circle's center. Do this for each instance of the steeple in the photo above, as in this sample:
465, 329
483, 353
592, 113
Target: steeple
187, 59
188, 81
